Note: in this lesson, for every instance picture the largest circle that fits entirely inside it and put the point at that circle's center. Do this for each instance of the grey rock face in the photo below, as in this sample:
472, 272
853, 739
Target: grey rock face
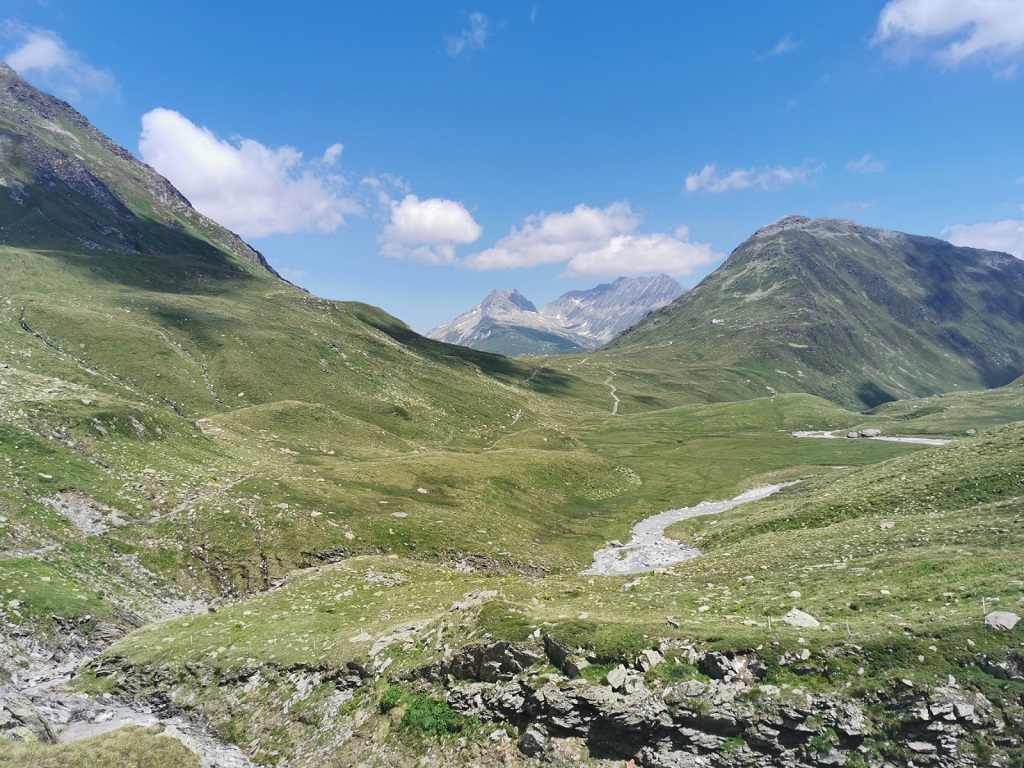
1004, 620
532, 742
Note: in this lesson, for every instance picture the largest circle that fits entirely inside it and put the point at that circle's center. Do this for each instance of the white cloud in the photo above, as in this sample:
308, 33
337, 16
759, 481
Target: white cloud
767, 179
785, 45
866, 164
249, 188
332, 153
594, 242
428, 230
630, 255
953, 31
41, 55
1006, 236
472, 38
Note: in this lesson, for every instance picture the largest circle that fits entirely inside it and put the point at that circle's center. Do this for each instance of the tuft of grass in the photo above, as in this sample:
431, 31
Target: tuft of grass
128, 747
428, 715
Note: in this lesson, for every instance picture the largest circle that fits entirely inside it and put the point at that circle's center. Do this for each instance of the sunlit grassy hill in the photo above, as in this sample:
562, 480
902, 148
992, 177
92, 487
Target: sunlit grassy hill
857, 315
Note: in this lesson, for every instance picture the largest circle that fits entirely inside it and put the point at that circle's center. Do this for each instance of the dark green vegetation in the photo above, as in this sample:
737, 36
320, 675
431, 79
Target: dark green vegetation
178, 422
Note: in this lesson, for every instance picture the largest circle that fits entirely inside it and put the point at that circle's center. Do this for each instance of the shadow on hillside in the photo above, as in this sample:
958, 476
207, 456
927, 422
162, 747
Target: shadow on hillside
872, 395
541, 380
100, 237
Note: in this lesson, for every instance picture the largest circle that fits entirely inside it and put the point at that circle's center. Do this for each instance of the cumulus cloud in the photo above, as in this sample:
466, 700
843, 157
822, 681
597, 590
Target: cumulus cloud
472, 38
866, 164
250, 188
42, 56
767, 179
1006, 236
594, 242
428, 230
954, 31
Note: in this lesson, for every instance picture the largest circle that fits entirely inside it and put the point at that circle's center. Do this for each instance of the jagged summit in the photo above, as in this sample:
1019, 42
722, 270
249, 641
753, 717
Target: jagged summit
65, 185
603, 312
509, 323
498, 301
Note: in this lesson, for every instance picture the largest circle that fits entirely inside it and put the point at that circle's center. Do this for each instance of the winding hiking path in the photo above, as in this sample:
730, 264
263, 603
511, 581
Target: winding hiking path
615, 397
650, 549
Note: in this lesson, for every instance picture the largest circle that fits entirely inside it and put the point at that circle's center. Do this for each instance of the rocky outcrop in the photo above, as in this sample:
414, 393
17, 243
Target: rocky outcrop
19, 720
669, 706
727, 717
508, 322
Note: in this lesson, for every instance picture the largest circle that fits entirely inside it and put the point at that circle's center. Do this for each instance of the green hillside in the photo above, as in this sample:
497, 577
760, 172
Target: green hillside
303, 524
860, 316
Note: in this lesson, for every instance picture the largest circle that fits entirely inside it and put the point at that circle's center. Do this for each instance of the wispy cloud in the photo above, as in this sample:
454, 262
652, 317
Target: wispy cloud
250, 188
472, 38
783, 46
766, 179
866, 164
1006, 236
594, 242
428, 230
43, 57
954, 31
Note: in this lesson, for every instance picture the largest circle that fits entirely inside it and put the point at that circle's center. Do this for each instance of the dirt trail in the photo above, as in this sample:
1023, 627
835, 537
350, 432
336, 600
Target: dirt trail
615, 397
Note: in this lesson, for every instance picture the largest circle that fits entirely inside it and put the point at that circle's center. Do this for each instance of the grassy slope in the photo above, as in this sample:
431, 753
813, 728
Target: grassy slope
896, 573
857, 315
125, 748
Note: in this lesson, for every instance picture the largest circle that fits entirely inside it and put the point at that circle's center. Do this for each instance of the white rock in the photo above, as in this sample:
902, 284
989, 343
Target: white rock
797, 618
616, 677
1003, 620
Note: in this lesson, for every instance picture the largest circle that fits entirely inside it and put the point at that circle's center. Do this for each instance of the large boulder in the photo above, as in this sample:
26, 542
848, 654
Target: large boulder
800, 620
1004, 620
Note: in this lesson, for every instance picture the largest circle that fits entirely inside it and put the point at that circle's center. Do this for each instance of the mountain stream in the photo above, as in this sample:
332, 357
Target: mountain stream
650, 549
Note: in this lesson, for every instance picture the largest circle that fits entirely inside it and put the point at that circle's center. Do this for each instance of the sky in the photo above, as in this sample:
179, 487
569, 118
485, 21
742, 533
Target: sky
416, 156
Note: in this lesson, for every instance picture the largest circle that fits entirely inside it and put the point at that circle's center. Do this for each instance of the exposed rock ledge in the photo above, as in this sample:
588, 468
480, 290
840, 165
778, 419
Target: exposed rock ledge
724, 715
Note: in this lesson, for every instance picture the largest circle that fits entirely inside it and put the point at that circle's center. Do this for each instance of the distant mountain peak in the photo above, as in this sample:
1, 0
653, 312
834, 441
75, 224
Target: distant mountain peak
500, 299
507, 322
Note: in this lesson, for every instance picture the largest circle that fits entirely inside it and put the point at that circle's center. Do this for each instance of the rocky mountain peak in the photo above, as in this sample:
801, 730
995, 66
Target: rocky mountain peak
499, 300
507, 322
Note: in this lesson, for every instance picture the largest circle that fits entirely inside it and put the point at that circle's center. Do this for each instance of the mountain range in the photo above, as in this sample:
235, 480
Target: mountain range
295, 532
508, 323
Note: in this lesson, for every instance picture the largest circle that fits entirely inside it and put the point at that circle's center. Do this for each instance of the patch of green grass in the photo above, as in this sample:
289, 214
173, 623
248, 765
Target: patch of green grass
427, 715
128, 747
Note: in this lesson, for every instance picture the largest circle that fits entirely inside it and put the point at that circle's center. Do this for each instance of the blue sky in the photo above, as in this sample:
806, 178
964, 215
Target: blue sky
417, 155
